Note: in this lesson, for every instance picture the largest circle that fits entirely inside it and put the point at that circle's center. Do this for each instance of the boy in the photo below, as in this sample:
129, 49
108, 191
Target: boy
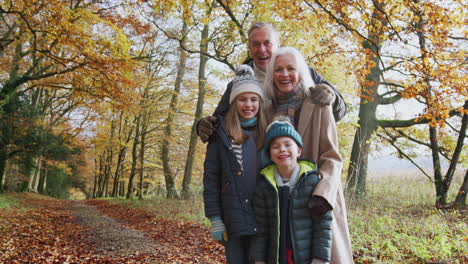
286, 233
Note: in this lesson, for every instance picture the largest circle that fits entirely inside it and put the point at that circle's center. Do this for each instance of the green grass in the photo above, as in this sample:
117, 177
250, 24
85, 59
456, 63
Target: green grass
8, 201
397, 223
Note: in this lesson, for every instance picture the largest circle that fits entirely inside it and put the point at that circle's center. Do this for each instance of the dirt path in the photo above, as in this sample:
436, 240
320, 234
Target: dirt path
96, 231
107, 236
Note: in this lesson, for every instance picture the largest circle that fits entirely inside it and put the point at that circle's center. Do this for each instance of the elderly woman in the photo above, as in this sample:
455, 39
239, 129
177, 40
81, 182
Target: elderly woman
287, 84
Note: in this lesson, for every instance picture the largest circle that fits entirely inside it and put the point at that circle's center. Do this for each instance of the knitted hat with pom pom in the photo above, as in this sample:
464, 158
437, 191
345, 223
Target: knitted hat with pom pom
244, 82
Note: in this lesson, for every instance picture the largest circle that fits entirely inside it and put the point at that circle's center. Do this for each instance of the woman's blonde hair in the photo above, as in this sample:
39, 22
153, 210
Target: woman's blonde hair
302, 70
234, 128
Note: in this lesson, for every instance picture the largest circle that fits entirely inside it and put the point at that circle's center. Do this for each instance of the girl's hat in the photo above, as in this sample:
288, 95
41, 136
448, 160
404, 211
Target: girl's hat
244, 82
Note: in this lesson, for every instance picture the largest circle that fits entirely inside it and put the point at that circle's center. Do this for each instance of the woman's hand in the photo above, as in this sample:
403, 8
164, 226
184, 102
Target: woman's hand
322, 94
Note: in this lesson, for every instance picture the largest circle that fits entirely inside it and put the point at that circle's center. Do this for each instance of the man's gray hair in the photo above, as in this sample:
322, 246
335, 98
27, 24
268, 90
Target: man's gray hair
301, 67
262, 24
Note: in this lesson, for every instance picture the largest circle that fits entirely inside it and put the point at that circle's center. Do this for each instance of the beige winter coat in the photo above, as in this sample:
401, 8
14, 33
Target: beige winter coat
318, 130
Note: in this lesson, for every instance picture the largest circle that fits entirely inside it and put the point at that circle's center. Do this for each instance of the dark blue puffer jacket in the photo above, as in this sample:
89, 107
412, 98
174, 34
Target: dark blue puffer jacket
311, 237
228, 191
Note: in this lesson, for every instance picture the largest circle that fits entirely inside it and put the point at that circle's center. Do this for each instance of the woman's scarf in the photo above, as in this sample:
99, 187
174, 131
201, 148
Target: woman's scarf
289, 104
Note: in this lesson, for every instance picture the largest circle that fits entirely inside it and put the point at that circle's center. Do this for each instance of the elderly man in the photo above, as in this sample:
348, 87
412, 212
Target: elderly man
263, 42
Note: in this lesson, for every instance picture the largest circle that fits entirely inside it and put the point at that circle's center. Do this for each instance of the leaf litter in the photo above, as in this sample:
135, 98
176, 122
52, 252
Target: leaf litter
97, 231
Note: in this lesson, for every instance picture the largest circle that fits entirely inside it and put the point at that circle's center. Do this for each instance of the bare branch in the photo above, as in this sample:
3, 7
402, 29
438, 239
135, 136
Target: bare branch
225, 6
392, 141
408, 122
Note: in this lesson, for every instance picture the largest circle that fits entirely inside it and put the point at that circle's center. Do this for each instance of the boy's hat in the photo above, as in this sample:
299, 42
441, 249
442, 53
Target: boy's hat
244, 82
280, 127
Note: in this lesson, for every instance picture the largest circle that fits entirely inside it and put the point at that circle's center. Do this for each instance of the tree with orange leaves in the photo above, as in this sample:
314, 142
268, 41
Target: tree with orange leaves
59, 45
408, 49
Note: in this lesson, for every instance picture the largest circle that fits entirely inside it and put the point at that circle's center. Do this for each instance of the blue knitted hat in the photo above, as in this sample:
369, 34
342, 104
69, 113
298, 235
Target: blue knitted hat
280, 127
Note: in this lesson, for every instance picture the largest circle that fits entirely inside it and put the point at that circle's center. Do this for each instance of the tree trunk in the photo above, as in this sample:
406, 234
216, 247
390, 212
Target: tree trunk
122, 154
357, 171
110, 158
34, 173
96, 173
186, 192
441, 190
134, 159
43, 182
165, 153
9, 104
461, 195
460, 200
118, 169
3, 174
101, 175
142, 160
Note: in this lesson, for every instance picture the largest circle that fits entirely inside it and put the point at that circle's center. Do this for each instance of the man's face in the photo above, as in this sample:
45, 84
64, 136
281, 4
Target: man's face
262, 43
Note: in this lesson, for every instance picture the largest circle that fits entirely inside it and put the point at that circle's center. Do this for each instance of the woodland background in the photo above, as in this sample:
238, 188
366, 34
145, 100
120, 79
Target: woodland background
98, 99
101, 97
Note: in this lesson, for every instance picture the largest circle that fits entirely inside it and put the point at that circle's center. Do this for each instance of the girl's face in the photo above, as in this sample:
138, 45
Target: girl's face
247, 105
285, 73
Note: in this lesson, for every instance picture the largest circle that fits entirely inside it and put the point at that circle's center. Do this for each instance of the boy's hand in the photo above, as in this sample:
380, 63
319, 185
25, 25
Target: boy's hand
206, 127
318, 206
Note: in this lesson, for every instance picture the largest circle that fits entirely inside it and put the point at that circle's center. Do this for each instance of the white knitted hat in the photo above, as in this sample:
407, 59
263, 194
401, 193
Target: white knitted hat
244, 82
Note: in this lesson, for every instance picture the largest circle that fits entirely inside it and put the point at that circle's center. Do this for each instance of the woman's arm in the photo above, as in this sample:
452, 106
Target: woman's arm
329, 160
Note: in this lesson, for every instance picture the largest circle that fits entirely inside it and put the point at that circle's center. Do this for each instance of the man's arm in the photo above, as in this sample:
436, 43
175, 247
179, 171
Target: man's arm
206, 126
339, 106
223, 105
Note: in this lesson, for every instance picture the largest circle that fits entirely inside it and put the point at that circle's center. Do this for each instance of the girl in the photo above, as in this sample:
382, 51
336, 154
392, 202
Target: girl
232, 165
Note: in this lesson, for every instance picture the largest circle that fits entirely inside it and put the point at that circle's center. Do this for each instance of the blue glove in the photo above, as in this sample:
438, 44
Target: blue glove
217, 229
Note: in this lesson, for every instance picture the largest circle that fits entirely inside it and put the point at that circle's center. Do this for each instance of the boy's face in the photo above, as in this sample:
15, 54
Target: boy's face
284, 152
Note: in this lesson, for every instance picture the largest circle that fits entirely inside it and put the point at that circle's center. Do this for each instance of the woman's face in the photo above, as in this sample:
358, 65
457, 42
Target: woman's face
247, 105
285, 73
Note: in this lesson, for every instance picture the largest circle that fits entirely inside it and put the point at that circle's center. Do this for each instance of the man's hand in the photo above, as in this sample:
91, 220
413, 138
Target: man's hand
322, 94
318, 206
206, 127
